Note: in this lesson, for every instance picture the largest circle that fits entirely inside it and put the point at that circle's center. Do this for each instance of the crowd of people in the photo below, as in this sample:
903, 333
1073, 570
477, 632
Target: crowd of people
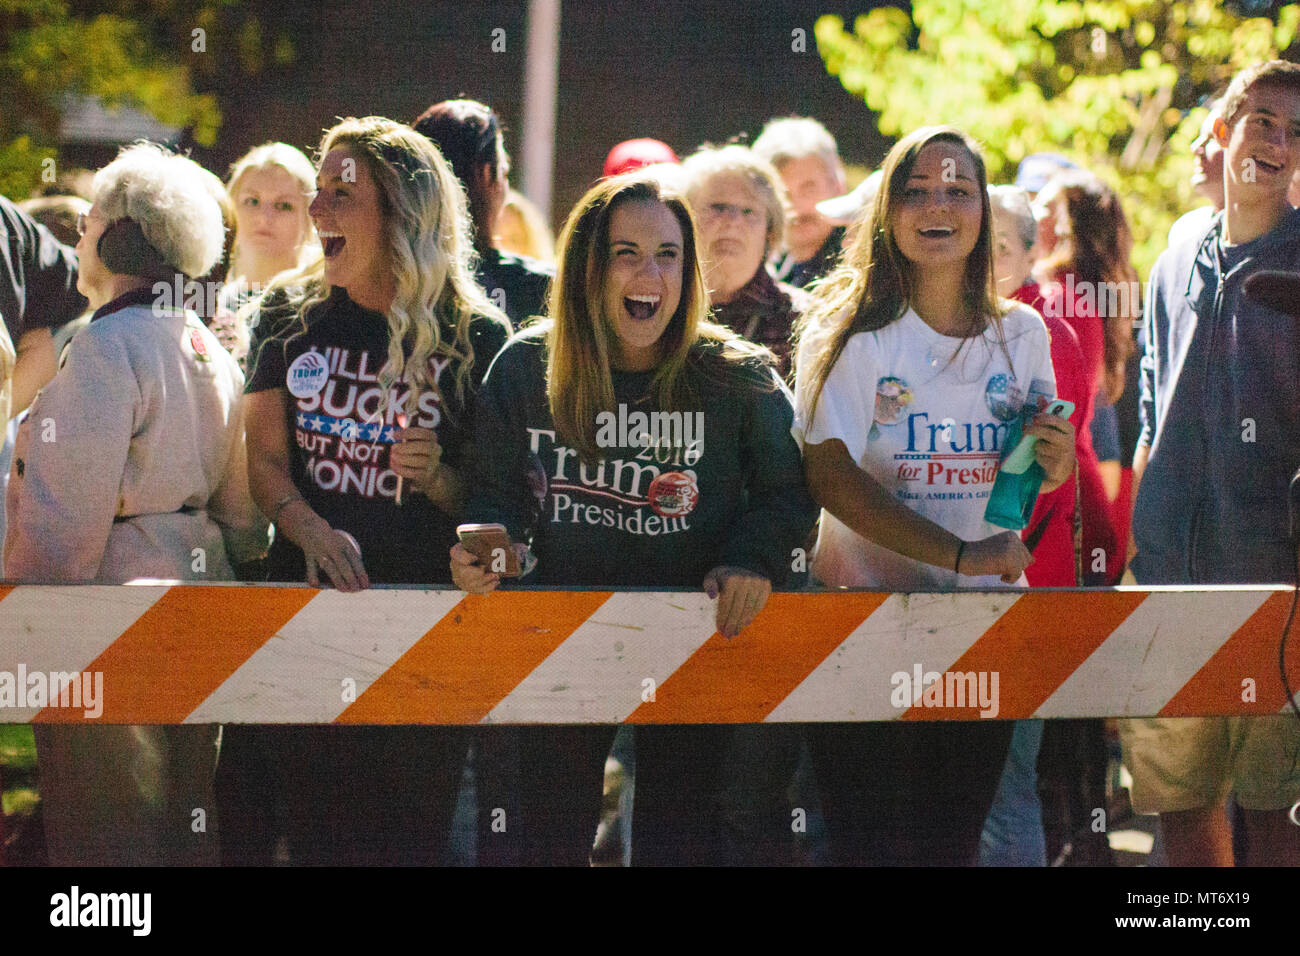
860, 362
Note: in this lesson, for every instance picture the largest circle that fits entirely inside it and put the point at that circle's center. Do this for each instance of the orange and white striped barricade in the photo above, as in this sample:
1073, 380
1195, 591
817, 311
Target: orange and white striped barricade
288, 654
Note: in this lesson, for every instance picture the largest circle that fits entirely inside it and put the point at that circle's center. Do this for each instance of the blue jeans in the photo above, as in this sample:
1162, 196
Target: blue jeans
1105, 431
1013, 832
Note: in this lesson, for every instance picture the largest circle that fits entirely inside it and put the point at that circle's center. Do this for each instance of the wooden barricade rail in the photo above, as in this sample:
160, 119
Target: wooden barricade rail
290, 654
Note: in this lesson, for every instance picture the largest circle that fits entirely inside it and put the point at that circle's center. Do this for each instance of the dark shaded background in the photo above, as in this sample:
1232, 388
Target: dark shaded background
681, 71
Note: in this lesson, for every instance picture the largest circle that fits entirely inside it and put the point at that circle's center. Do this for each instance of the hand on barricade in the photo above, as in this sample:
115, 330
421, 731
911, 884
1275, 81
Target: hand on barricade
740, 594
1002, 554
333, 552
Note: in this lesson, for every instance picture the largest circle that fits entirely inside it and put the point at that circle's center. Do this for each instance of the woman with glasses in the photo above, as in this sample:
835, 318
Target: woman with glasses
740, 204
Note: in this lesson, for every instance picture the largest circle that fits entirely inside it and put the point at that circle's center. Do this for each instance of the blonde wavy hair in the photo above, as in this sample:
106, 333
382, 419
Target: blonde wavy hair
429, 250
874, 283
580, 337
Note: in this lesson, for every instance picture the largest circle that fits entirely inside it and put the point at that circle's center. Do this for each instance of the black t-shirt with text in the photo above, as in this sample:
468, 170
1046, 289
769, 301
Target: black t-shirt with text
340, 445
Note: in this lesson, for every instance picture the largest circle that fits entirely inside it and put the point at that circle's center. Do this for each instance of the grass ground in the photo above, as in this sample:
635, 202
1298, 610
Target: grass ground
19, 798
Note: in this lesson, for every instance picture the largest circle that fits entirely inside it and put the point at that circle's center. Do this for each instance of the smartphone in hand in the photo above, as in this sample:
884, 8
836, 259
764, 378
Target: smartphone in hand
1022, 456
490, 544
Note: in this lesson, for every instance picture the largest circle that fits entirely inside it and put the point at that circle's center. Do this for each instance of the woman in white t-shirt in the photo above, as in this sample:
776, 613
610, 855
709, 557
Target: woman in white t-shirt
910, 374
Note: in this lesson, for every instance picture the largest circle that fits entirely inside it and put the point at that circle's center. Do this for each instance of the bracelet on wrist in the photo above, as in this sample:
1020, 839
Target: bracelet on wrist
282, 504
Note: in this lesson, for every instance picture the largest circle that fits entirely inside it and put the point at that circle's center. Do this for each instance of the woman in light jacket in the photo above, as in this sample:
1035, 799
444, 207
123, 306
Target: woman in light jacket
131, 465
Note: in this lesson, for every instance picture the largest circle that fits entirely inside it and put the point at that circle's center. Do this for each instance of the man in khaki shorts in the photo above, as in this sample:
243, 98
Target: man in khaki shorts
1183, 767
1220, 442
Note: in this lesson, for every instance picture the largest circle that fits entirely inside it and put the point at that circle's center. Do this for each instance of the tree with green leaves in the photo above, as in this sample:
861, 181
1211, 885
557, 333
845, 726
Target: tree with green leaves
1116, 85
153, 55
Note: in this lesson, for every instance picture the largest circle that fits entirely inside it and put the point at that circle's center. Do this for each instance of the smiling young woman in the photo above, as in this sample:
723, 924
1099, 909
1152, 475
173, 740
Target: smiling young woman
360, 394
722, 510
644, 282
909, 369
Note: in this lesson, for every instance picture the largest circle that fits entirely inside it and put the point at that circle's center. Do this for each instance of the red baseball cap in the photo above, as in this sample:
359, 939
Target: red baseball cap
634, 153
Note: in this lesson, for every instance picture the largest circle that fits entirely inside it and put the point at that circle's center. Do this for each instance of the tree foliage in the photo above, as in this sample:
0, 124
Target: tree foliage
153, 55
1116, 85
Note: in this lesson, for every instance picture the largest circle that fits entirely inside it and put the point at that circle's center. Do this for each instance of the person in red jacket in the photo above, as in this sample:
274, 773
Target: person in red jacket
1055, 770
1090, 282
1050, 532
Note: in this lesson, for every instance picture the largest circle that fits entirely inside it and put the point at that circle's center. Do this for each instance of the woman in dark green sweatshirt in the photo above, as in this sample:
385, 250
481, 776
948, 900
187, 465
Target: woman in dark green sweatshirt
627, 441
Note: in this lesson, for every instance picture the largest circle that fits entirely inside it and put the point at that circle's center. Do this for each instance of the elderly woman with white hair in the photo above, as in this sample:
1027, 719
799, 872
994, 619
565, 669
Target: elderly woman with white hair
803, 151
740, 204
137, 471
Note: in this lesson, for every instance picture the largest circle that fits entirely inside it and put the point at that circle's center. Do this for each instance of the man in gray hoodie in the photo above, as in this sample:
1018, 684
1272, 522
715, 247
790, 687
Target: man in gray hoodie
1220, 441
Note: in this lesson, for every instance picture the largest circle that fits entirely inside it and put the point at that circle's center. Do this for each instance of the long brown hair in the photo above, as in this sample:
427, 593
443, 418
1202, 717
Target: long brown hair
1097, 250
873, 284
580, 337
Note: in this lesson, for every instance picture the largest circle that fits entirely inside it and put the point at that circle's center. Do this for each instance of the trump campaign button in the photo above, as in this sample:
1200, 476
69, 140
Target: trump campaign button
307, 375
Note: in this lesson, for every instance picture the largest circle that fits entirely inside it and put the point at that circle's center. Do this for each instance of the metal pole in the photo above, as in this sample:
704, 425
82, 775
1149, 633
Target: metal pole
541, 78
